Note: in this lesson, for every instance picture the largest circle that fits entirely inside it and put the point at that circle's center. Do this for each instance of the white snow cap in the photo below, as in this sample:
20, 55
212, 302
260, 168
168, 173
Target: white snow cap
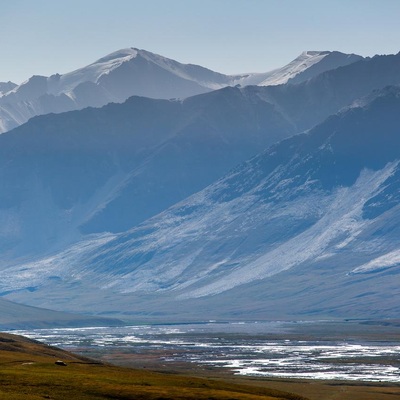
282, 75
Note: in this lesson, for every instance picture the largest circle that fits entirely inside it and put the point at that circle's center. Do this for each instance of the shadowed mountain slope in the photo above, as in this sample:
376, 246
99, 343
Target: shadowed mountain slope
105, 170
307, 228
19, 316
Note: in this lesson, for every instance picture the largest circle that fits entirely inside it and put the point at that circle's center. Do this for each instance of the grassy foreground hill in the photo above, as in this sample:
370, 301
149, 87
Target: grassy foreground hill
28, 371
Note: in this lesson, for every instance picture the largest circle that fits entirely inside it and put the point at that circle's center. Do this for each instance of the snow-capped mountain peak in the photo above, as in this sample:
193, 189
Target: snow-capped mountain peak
307, 65
92, 73
304, 61
127, 53
131, 71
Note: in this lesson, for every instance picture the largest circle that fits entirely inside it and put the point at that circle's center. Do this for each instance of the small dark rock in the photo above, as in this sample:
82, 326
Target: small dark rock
62, 363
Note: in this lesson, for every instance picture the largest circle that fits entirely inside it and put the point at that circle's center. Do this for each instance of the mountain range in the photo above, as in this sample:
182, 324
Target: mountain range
255, 202
310, 224
128, 72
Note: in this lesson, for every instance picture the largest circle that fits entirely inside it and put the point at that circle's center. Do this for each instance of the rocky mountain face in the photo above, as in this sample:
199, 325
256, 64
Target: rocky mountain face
309, 227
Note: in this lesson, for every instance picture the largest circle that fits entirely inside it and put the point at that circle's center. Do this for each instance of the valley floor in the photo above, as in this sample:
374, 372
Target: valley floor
300, 388
28, 371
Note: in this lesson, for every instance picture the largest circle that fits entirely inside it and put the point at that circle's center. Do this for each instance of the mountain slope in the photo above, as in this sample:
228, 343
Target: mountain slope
131, 71
6, 87
308, 228
18, 316
106, 170
309, 103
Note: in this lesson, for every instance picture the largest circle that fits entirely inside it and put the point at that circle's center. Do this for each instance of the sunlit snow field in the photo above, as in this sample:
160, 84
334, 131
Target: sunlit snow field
245, 348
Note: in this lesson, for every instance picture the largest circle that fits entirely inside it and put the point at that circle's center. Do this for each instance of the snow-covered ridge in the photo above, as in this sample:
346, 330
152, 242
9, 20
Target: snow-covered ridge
298, 65
132, 71
58, 84
296, 70
283, 75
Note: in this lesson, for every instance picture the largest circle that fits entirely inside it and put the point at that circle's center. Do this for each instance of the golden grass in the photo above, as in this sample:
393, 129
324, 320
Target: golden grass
28, 371
85, 381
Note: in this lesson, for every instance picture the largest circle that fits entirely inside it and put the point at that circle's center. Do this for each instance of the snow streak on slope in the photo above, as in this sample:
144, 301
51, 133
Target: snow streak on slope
341, 222
50, 269
389, 260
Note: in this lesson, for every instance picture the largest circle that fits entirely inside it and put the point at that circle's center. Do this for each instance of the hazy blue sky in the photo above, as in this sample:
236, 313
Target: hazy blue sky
230, 36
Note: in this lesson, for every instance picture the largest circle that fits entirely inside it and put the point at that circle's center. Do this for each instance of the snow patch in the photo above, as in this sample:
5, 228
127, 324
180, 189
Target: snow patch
389, 260
57, 266
282, 75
